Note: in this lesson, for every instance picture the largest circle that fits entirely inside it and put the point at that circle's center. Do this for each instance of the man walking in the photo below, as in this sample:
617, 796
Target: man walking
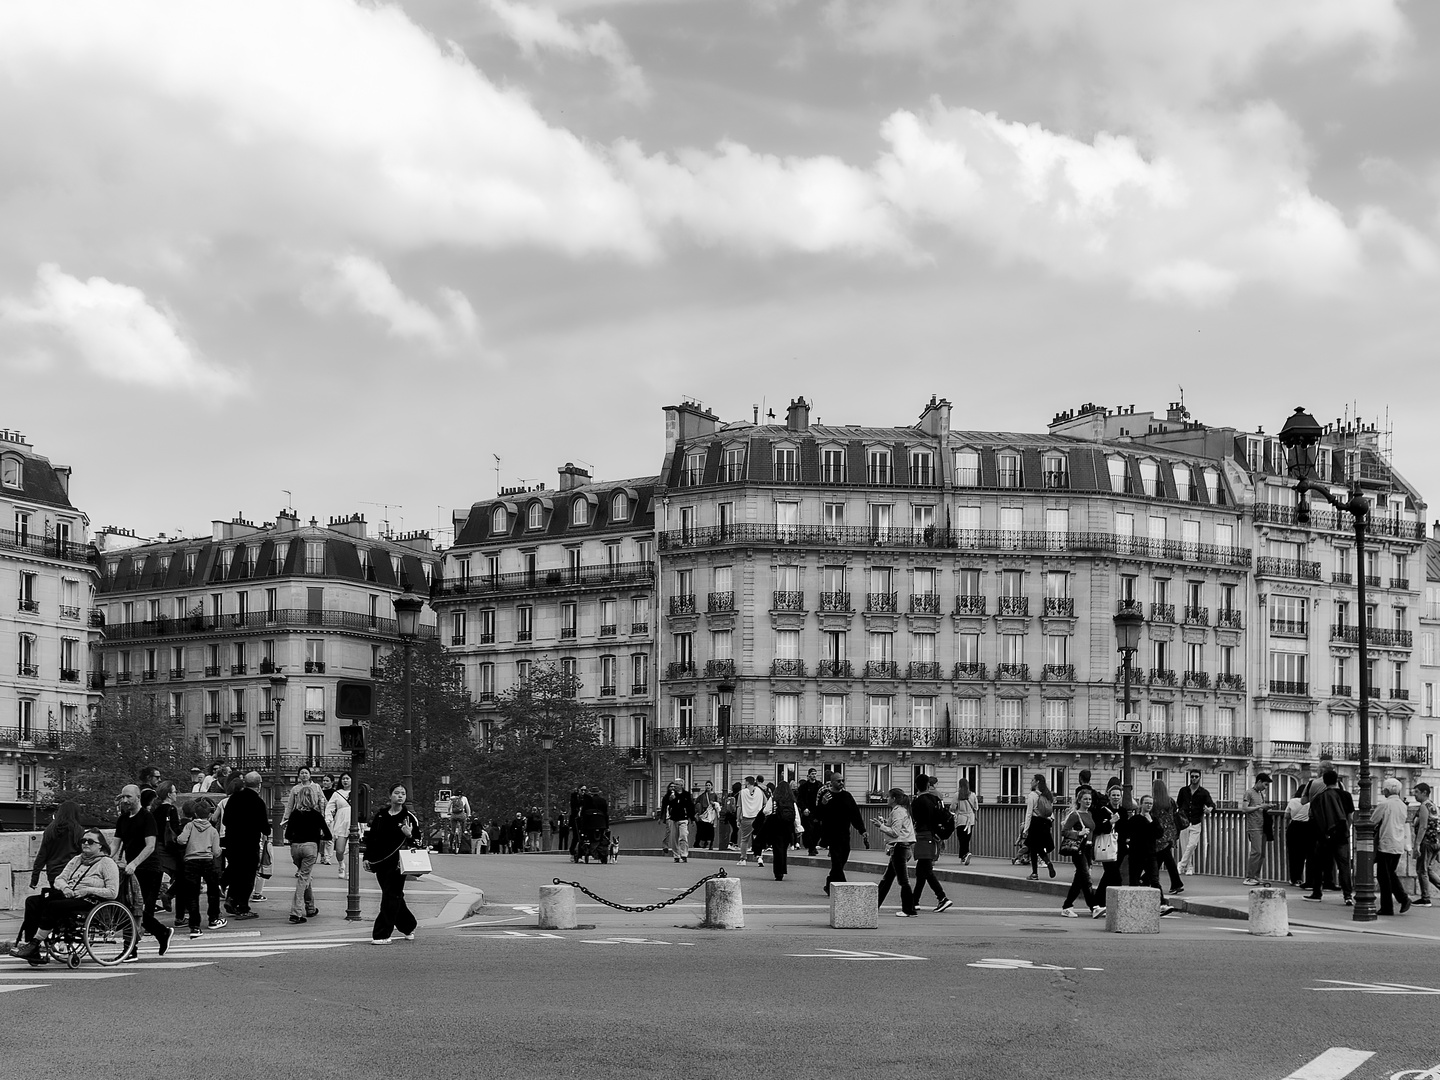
136, 839
247, 826
749, 807
677, 809
925, 809
838, 815
808, 796
1330, 828
1194, 802
1427, 843
1253, 804
1392, 835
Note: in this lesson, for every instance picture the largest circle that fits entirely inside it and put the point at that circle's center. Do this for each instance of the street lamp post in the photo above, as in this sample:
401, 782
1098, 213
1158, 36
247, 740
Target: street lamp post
1128, 622
547, 744
278, 685
407, 621
725, 691
1300, 436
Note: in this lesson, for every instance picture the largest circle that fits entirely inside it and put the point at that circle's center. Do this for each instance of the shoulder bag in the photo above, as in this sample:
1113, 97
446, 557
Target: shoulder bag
1069, 845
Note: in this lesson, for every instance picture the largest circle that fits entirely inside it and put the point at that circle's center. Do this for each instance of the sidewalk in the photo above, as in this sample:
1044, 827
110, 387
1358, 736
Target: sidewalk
1205, 896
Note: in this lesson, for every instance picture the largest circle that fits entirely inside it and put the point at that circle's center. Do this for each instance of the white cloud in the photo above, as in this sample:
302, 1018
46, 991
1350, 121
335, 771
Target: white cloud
534, 27
364, 285
117, 333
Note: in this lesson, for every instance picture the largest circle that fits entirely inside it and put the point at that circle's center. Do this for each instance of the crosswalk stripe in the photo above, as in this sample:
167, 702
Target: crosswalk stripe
65, 975
241, 946
27, 986
1335, 1064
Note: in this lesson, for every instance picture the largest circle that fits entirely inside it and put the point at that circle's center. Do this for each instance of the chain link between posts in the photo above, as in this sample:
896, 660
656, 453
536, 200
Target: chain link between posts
648, 907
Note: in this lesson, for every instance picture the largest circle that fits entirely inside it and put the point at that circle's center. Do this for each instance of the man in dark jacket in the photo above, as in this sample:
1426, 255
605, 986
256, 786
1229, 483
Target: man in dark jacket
807, 795
1107, 820
247, 823
838, 815
925, 809
678, 810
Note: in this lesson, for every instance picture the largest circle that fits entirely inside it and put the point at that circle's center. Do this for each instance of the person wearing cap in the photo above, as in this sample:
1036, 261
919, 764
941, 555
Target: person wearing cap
1194, 802
197, 778
1253, 803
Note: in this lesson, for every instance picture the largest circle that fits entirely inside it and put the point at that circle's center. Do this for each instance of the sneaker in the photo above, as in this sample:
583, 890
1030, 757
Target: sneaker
904, 914
246, 915
216, 924
181, 923
1250, 881
165, 941
27, 950
297, 919
197, 932
1424, 901
1312, 899
1349, 901
677, 858
1177, 890
1097, 913
965, 861
380, 941
741, 862
312, 913
408, 937
257, 896
1166, 909
1033, 877
685, 858
760, 861
944, 905
1405, 905
1051, 867
131, 957
1069, 913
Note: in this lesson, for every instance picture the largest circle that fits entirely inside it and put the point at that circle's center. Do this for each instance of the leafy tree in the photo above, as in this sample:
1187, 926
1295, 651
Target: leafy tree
442, 728
126, 733
512, 775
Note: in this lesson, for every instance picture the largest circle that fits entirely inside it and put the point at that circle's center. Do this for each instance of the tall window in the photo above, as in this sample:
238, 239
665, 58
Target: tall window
1009, 712
880, 521
1057, 714
1057, 473
787, 520
922, 468
1150, 476
524, 623
619, 507
1008, 466
535, 516
787, 711
1118, 475
967, 468
685, 715
639, 673
787, 464
579, 512
1181, 473
734, 465
832, 466
879, 467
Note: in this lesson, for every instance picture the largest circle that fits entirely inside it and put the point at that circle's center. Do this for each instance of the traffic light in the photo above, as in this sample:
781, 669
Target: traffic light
355, 699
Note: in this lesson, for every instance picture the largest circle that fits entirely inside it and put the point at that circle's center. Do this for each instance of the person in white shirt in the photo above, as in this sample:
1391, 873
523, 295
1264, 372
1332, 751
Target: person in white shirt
750, 807
899, 839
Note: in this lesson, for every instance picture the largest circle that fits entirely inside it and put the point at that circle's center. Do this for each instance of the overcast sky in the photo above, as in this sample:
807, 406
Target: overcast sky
353, 250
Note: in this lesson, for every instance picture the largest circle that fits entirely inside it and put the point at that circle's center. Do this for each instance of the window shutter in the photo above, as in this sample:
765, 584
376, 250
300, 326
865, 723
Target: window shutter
713, 456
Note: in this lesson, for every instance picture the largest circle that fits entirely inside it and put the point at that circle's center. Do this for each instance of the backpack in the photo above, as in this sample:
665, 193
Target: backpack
943, 825
1431, 840
457, 806
1043, 807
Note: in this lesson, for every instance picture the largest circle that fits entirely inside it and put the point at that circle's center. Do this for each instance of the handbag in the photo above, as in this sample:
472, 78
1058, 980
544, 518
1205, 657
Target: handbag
264, 859
799, 822
414, 862
927, 847
1107, 847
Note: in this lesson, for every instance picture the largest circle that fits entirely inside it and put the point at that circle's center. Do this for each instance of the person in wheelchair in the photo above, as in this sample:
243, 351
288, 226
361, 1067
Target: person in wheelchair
87, 879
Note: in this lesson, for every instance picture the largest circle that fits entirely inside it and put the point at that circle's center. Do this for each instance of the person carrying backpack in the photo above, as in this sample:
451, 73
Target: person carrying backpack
930, 818
1427, 843
1039, 829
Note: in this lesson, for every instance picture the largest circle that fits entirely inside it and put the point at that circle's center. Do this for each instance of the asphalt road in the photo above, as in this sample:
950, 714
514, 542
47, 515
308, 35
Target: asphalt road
1002, 988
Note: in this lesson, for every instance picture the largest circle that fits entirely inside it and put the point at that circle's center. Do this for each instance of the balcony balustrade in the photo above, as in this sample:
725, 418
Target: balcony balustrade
314, 716
880, 602
720, 601
1012, 672
1342, 577
787, 600
882, 669
639, 688
265, 716
1162, 677
211, 718
69, 612
1197, 616
719, 669
1395, 753
682, 605
27, 604
1290, 749
1230, 682
680, 669
69, 674
1012, 605
1290, 627
314, 667
1301, 569
835, 601
1196, 680
607, 691
639, 628
1162, 613
1126, 607
1399, 583
1339, 689
932, 537
98, 679
237, 669
607, 629
30, 739
1372, 581
149, 675
1399, 693
969, 605
1375, 525
924, 669
1057, 673
607, 575
969, 671
925, 604
123, 677
923, 737
1382, 636
789, 666
1060, 606
836, 669
1137, 677
1229, 619
1289, 687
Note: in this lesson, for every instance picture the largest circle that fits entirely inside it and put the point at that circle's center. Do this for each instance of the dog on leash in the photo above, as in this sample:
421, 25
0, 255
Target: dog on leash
614, 848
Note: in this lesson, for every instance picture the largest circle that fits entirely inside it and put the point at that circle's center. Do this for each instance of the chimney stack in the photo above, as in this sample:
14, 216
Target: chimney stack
798, 416
572, 476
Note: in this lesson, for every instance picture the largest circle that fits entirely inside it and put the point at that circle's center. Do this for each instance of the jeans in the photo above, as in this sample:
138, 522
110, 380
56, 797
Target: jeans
394, 914
1299, 844
200, 872
895, 871
1166, 859
150, 894
1331, 853
962, 840
1190, 848
1425, 871
243, 862
1255, 860
839, 856
747, 826
1081, 884
303, 856
678, 837
1109, 876
1387, 880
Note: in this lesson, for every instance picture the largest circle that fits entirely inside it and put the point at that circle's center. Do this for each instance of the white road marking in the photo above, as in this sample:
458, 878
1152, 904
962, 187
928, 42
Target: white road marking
1432, 1073
520, 935
65, 974
634, 941
23, 986
1003, 964
1333, 1064
1342, 985
852, 954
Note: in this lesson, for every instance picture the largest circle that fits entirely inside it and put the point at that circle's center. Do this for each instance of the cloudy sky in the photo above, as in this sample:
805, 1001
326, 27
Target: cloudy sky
353, 250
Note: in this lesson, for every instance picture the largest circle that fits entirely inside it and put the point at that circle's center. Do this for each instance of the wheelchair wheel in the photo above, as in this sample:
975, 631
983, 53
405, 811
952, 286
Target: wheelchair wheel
110, 933
73, 960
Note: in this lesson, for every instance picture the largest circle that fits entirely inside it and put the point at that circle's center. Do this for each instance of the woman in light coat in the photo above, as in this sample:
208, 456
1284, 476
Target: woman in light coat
337, 816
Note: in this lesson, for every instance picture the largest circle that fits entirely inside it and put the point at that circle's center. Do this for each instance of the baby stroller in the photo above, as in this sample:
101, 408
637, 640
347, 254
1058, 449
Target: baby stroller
594, 831
1022, 852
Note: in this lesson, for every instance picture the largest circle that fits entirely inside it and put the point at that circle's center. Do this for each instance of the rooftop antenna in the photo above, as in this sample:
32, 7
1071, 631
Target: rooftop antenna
497, 473
385, 521
288, 500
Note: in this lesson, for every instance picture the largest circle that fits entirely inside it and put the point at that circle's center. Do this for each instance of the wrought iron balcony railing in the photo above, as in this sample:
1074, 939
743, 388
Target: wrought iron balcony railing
31, 544
1162, 613
567, 633
260, 621
1230, 682
680, 669
239, 669
607, 691
1012, 605
1382, 636
925, 604
1399, 693
28, 738
98, 679
836, 669
1339, 689
1342, 577
1137, 677
314, 667
1012, 672
1197, 680
720, 601
882, 669
1197, 616
835, 601
880, 601
1265, 566
211, 718
1060, 606
924, 669
314, 716
1375, 525
719, 669
607, 629
969, 671
787, 600
682, 605
1162, 677
1290, 627
1372, 581
639, 688
1289, 687
1395, 753
28, 671
609, 574
69, 612
1229, 619
1123, 607
791, 667
69, 674
1057, 673
969, 605
27, 604
1399, 583
265, 716
639, 628
149, 675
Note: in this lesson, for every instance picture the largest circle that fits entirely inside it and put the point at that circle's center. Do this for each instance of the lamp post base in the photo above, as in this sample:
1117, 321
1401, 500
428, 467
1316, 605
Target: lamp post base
352, 870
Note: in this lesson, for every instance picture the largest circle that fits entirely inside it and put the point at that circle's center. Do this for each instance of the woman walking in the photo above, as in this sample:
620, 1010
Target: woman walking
59, 845
337, 816
306, 834
1078, 835
1165, 811
391, 829
781, 827
327, 789
900, 838
169, 850
967, 810
1142, 839
1039, 831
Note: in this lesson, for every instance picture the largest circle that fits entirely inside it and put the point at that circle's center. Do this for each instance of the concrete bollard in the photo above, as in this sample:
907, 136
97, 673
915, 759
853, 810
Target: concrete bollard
1132, 909
854, 905
1269, 913
724, 909
557, 907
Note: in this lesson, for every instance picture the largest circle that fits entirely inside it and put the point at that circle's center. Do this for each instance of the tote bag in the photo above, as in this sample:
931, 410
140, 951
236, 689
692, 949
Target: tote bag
414, 862
1107, 847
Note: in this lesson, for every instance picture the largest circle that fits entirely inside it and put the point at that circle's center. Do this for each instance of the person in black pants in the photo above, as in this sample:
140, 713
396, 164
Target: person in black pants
807, 795
838, 815
925, 809
390, 830
1107, 820
1143, 835
247, 826
135, 835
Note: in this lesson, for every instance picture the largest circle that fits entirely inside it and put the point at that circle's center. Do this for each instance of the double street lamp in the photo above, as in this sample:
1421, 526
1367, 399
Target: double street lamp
725, 691
1128, 622
1300, 436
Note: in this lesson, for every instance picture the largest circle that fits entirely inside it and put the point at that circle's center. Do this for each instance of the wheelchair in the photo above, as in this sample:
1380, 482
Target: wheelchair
107, 933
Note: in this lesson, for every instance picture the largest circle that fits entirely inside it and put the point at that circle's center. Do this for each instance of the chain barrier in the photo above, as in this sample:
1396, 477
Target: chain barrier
648, 907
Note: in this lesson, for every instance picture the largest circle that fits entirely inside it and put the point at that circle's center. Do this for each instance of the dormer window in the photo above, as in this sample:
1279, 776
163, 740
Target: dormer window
619, 506
580, 512
497, 520
878, 467
12, 469
787, 464
734, 465
1057, 471
535, 516
1212, 485
922, 468
1007, 464
1149, 477
1255, 453
967, 468
1119, 478
1183, 490
832, 466
694, 469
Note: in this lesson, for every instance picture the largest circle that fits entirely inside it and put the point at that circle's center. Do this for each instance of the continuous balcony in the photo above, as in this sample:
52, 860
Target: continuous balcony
1382, 636
923, 669
788, 666
835, 601
719, 669
1062, 607
27, 738
683, 604
31, 544
1289, 687
1300, 569
1394, 753
609, 575
925, 604
787, 600
1012, 605
880, 602
258, 621
836, 669
1375, 525
720, 601
969, 605
1057, 673
976, 540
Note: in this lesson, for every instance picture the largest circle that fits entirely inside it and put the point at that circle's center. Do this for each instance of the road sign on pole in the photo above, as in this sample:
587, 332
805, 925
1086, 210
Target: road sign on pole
1128, 727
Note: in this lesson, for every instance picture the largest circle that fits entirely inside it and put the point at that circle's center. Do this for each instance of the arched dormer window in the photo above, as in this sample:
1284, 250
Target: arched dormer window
580, 512
619, 507
12, 469
535, 515
1150, 476
498, 520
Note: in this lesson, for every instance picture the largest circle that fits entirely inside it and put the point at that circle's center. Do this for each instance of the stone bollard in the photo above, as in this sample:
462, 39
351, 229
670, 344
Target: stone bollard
1132, 909
557, 907
854, 905
1269, 913
723, 907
